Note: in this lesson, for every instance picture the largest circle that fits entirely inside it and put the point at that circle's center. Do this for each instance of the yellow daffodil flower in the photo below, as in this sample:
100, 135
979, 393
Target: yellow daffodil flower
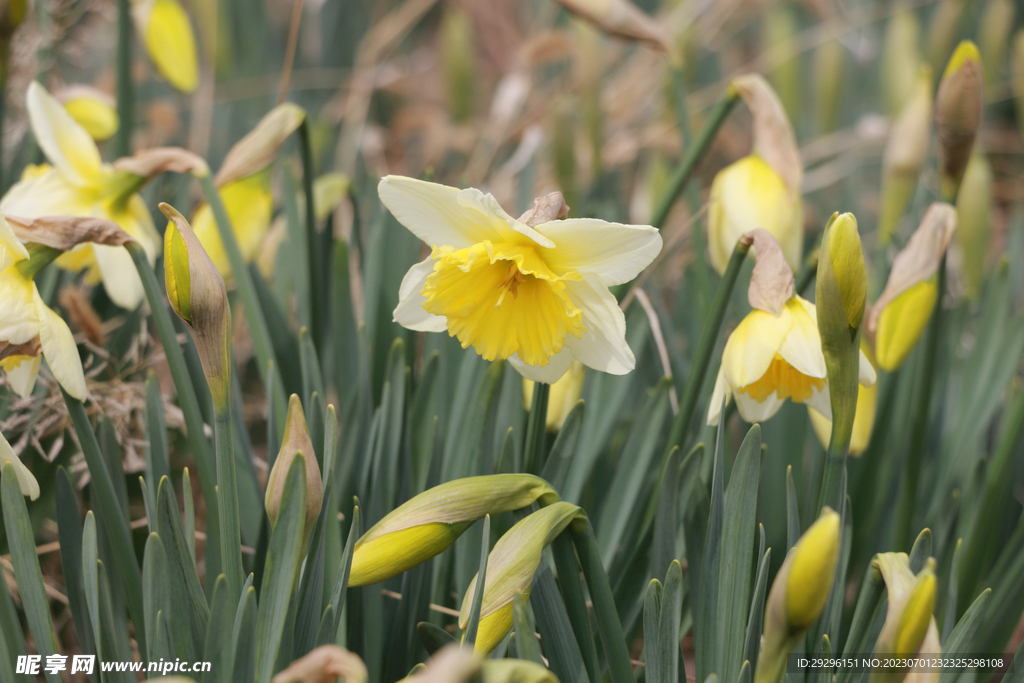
167, 35
29, 330
77, 183
768, 359
537, 295
565, 393
26, 480
93, 109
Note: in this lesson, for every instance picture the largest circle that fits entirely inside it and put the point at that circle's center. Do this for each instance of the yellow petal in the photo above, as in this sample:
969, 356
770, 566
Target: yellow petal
98, 118
863, 421
385, 556
902, 322
66, 143
493, 628
812, 570
753, 345
167, 34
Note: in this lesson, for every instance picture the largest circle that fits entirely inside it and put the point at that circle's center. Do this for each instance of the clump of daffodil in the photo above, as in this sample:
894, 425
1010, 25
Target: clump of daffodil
909, 627
775, 352
244, 184
78, 183
428, 523
198, 295
510, 568
167, 34
798, 595
296, 442
26, 480
93, 109
905, 154
958, 113
902, 311
901, 57
533, 290
761, 190
564, 395
29, 329
863, 420
974, 208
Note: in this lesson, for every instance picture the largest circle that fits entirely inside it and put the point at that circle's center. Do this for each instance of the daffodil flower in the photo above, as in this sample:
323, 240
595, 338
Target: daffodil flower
536, 295
29, 330
26, 480
167, 35
78, 183
768, 359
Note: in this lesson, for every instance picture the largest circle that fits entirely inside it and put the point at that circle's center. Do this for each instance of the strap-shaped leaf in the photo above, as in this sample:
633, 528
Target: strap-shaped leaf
218, 649
243, 639
156, 590
69, 529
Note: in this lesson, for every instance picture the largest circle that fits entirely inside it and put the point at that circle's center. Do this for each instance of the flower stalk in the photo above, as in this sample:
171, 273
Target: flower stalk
125, 88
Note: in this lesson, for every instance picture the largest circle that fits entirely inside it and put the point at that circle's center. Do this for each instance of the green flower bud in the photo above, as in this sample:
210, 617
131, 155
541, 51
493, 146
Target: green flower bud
974, 209
296, 443
429, 523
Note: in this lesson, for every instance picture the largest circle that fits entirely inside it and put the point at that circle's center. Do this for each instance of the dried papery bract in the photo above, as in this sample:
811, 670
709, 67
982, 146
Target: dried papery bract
66, 232
198, 295
905, 154
899, 316
798, 594
623, 19
958, 113
257, 150
325, 664
771, 283
550, 207
774, 140
150, 163
296, 442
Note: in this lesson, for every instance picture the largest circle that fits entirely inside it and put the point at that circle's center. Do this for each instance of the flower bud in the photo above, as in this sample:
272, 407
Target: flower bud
93, 109
900, 58
974, 209
909, 626
845, 264
958, 112
993, 35
167, 35
325, 664
197, 294
901, 313
429, 523
26, 481
798, 594
905, 154
256, 151
296, 442
510, 568
563, 396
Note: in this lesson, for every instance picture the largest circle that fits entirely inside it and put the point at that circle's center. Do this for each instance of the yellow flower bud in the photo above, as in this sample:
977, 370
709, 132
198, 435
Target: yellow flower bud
93, 109
974, 208
429, 523
900, 58
167, 35
296, 442
510, 568
905, 153
909, 627
958, 113
564, 395
846, 257
198, 295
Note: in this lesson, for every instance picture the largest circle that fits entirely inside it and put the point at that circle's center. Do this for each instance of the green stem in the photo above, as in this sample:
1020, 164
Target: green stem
250, 301
227, 500
182, 383
608, 624
693, 155
125, 88
702, 355
313, 257
919, 420
536, 424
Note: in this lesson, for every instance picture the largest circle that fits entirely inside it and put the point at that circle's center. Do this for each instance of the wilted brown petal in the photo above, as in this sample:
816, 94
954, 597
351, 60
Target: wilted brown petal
624, 19
66, 232
550, 207
920, 259
774, 140
325, 664
30, 348
771, 283
152, 162
257, 150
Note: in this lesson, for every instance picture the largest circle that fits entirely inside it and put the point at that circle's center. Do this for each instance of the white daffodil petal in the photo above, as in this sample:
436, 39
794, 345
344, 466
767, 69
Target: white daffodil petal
410, 312
28, 484
752, 346
66, 144
614, 252
437, 214
802, 346
120, 279
866, 374
46, 194
9, 243
550, 373
138, 222
821, 401
722, 391
19, 320
61, 353
603, 346
23, 376
754, 411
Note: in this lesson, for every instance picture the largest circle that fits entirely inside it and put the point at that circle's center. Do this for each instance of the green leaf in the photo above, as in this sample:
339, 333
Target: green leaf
755, 623
825, 674
654, 657
281, 570
671, 615
190, 514
157, 463
218, 649
325, 634
433, 637
473, 620
156, 592
921, 550
556, 468
338, 596
706, 637
69, 530
961, 641
525, 631
90, 580
12, 640
536, 435
243, 639
21, 541
311, 588
949, 618
116, 646
556, 633
792, 512
190, 614
575, 602
312, 375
